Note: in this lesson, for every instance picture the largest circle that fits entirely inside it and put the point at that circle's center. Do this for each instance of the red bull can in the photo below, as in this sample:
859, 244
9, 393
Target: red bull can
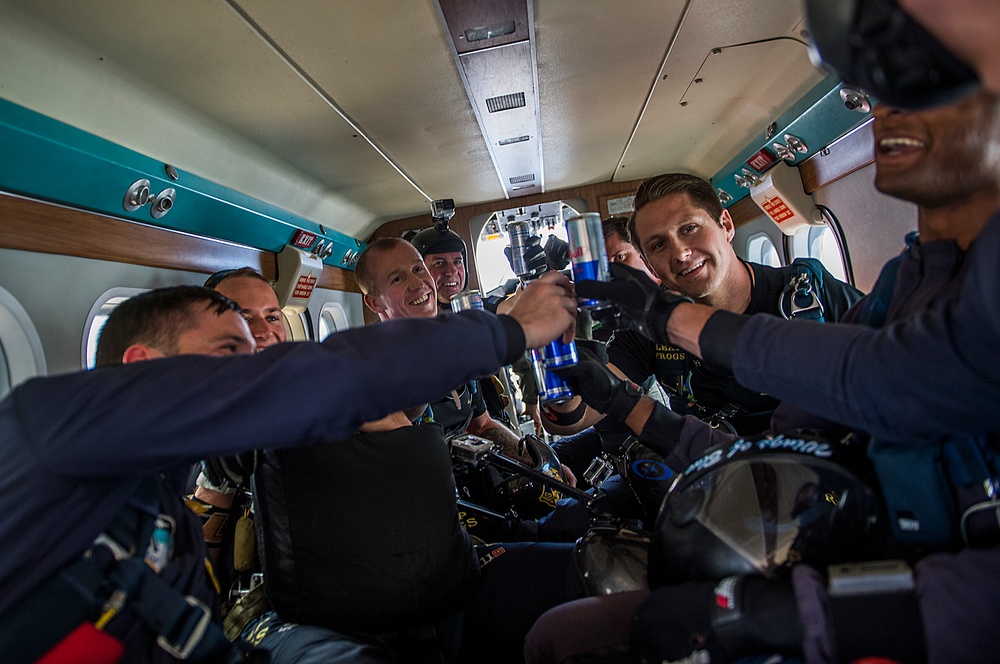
551, 388
467, 299
520, 232
587, 252
557, 354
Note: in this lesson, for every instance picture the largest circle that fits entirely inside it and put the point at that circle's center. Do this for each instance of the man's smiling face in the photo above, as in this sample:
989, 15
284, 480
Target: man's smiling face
448, 270
403, 286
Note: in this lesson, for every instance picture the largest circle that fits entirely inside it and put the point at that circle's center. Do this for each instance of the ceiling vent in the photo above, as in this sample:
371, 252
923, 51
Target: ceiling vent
500, 73
505, 102
490, 31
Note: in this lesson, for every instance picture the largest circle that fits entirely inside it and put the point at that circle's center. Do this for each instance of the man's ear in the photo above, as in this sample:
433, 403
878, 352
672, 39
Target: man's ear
140, 352
372, 303
727, 224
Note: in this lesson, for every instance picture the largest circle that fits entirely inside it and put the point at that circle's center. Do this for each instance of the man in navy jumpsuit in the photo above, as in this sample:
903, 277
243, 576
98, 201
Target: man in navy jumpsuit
935, 159
76, 446
685, 237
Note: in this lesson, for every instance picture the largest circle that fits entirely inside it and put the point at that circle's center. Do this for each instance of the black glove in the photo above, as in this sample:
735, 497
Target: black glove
557, 251
730, 619
643, 305
598, 387
535, 260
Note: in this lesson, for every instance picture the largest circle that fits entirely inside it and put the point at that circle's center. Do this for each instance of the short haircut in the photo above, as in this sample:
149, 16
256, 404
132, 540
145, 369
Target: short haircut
701, 193
617, 225
225, 275
156, 318
363, 271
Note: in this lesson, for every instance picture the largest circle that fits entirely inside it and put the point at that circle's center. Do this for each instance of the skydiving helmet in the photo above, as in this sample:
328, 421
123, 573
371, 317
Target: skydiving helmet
875, 45
759, 505
529, 498
437, 241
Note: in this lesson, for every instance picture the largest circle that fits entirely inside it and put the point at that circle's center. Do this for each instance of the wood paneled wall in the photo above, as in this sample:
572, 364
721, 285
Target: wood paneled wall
31, 225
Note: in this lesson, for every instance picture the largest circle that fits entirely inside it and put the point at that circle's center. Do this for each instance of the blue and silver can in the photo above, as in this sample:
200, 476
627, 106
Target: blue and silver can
519, 232
551, 388
465, 300
587, 252
558, 354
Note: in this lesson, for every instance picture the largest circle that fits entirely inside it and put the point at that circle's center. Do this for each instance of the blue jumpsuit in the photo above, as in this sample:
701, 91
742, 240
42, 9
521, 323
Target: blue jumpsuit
75, 447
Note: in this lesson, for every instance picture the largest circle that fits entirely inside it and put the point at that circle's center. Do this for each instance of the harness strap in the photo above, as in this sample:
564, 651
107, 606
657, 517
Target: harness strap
877, 306
800, 298
183, 624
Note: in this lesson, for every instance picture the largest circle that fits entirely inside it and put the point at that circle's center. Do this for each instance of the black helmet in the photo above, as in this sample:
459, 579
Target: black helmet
435, 241
758, 505
873, 44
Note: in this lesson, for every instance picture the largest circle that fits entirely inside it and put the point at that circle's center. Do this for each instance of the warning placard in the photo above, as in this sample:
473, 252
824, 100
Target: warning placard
776, 209
304, 287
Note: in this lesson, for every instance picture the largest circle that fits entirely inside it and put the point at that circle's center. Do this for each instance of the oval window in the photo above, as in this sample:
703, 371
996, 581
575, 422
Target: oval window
21, 355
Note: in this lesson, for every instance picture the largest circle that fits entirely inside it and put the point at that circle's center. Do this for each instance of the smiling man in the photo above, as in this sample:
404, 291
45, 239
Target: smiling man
445, 254
258, 304
685, 239
397, 284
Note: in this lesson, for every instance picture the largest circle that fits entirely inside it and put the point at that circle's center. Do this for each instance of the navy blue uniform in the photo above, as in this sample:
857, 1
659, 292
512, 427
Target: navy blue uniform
957, 591
711, 389
76, 446
944, 356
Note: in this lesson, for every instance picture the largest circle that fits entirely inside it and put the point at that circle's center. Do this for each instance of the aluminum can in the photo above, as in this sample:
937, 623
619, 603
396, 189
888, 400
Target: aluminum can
588, 253
557, 354
467, 299
551, 388
519, 232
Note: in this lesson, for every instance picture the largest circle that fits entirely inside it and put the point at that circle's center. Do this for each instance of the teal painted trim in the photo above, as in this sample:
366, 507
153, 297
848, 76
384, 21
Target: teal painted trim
50, 160
818, 119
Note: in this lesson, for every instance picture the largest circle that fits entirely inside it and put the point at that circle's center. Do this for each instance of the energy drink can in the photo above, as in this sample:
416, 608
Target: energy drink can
557, 354
588, 253
519, 232
467, 299
551, 388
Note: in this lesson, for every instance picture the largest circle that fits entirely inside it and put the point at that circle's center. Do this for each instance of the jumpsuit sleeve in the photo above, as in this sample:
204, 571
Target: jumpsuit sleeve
151, 415
922, 377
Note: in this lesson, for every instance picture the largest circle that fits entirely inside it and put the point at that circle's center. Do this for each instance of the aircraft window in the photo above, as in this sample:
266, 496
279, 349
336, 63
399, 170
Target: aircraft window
820, 242
760, 249
20, 349
332, 318
298, 327
97, 317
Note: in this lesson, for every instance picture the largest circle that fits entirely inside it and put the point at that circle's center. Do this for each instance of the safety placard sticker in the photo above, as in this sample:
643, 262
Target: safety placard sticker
777, 210
304, 287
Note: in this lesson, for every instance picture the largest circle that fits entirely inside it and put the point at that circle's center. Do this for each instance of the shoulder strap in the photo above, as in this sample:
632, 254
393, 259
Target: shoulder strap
802, 297
877, 305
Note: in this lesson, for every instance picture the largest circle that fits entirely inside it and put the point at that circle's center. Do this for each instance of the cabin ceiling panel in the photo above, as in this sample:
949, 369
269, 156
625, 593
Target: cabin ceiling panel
596, 64
388, 67
743, 88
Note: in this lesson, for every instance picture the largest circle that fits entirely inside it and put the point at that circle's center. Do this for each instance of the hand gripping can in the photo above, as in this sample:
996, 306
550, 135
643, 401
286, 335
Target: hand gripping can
587, 252
467, 299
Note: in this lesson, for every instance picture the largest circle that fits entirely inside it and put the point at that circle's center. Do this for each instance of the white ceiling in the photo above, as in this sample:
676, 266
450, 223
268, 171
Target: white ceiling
276, 98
